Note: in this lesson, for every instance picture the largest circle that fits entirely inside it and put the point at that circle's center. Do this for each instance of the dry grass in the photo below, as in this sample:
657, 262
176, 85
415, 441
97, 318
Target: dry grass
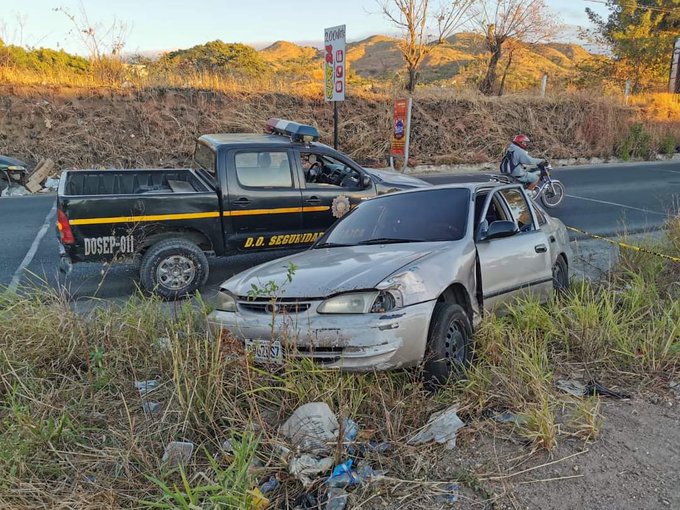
73, 431
149, 127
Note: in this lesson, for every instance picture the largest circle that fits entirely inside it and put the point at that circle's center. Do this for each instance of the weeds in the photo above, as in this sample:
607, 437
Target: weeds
69, 410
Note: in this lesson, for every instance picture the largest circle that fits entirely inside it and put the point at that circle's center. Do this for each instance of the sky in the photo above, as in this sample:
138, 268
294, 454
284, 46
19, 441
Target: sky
156, 25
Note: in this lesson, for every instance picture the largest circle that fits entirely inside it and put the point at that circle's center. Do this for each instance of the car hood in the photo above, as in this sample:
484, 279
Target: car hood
390, 178
323, 272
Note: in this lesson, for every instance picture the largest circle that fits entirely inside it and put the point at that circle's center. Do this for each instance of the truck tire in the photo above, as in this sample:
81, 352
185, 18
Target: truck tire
173, 268
449, 344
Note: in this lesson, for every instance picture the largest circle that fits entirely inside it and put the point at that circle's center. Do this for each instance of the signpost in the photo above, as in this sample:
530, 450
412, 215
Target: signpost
401, 131
674, 82
335, 67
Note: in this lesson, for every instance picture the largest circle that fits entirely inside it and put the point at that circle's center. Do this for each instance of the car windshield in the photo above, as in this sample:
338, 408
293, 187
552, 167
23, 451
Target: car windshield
428, 215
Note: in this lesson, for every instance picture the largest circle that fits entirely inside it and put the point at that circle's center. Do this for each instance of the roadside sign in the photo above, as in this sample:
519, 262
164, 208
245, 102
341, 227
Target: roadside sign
334, 63
401, 131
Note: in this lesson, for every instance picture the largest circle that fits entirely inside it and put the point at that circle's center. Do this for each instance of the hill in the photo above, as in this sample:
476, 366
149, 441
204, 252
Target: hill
462, 57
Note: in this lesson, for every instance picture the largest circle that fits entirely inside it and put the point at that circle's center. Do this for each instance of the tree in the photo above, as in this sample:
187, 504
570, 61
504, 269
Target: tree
215, 56
420, 26
640, 35
500, 21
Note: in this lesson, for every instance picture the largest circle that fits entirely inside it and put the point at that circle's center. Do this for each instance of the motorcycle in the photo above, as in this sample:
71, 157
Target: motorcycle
549, 191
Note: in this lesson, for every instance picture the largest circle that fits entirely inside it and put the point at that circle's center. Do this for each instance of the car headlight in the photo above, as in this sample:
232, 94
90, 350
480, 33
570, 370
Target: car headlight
358, 302
226, 302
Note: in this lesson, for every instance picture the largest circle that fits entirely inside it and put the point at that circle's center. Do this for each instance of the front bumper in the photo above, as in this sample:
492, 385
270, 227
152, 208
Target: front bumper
353, 342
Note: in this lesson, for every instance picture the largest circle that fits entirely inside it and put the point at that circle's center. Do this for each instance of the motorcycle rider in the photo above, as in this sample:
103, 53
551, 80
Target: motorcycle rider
518, 159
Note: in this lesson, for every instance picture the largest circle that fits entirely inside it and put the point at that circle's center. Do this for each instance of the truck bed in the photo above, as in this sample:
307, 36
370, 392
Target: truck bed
133, 182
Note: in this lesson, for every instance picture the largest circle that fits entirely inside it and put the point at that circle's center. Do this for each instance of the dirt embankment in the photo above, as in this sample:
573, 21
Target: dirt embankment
93, 127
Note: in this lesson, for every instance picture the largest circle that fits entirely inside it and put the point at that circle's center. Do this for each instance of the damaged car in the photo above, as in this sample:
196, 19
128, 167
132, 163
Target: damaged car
402, 280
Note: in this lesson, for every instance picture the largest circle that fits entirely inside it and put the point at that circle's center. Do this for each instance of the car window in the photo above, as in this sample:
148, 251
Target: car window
323, 171
519, 208
263, 169
432, 215
540, 216
205, 158
495, 212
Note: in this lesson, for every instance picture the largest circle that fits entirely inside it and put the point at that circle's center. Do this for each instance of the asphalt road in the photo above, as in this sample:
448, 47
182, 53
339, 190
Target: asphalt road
605, 200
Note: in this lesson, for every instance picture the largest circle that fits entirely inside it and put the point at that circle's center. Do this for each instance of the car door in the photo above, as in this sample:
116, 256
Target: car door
518, 264
323, 203
265, 200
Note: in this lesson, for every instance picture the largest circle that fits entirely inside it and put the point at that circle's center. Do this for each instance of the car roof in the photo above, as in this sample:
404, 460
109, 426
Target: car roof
218, 140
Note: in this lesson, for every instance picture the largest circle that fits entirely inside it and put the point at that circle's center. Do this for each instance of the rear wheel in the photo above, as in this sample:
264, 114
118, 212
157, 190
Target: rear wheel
553, 194
560, 273
449, 344
173, 269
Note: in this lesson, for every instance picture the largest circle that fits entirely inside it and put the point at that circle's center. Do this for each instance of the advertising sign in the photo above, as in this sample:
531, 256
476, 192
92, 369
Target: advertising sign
674, 84
401, 125
335, 63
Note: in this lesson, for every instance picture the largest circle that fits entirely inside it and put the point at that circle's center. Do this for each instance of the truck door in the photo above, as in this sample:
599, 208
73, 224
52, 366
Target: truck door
265, 201
519, 263
329, 186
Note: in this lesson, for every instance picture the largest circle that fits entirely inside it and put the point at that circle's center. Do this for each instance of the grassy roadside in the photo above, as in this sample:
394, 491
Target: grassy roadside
74, 431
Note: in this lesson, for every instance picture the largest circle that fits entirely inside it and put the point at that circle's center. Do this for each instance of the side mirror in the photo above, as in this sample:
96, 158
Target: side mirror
501, 228
366, 181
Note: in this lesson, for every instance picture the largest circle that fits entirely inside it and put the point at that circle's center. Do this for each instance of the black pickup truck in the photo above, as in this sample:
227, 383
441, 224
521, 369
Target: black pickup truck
245, 192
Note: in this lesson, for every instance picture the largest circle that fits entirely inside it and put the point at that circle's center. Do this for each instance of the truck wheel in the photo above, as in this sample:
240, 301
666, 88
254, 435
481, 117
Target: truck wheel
449, 344
173, 268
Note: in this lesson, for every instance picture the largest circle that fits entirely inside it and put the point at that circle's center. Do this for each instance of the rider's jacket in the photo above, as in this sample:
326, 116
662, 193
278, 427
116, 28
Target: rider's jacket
520, 160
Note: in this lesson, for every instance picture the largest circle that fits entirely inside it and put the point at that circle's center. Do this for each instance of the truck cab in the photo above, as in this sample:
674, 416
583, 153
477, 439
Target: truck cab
245, 192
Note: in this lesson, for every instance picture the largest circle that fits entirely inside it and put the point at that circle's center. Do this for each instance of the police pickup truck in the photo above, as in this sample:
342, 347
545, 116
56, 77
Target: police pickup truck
245, 192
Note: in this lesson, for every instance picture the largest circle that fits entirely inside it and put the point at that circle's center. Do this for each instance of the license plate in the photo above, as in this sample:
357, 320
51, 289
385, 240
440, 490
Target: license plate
266, 351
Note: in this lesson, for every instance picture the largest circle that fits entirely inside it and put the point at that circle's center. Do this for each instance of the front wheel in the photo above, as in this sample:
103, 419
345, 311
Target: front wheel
553, 194
449, 344
173, 268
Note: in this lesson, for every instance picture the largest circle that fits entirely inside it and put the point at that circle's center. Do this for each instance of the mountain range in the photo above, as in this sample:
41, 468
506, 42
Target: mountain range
459, 58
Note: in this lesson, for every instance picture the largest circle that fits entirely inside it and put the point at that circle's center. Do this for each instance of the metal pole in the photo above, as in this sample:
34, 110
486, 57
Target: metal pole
408, 134
335, 125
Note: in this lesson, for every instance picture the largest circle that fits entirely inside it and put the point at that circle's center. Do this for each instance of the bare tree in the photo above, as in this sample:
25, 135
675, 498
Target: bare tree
104, 43
422, 28
529, 21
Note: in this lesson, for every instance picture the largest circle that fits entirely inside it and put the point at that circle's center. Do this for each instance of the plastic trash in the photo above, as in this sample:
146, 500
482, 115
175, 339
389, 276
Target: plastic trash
151, 407
595, 388
258, 500
350, 429
575, 388
145, 387
508, 417
178, 453
51, 184
451, 495
337, 499
312, 428
15, 190
305, 468
270, 485
441, 428
345, 476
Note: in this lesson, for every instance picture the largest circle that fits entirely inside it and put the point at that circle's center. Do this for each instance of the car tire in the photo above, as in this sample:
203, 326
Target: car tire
560, 272
173, 269
449, 344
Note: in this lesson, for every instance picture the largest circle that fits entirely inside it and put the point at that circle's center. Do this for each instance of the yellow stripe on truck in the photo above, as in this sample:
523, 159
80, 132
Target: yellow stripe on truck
195, 216
153, 217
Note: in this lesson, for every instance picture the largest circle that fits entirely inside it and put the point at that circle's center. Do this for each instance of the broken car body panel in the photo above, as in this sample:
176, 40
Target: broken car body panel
455, 260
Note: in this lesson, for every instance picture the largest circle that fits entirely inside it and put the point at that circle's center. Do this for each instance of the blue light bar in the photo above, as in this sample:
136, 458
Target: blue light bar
296, 132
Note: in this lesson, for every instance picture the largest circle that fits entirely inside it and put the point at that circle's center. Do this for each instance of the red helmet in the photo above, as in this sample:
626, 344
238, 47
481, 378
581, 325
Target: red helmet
521, 140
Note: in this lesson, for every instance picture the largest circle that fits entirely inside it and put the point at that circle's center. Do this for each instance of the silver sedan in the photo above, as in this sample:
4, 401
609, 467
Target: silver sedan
401, 280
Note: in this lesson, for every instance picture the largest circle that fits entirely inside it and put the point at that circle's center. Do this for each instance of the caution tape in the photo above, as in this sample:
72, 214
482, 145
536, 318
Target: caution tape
625, 245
